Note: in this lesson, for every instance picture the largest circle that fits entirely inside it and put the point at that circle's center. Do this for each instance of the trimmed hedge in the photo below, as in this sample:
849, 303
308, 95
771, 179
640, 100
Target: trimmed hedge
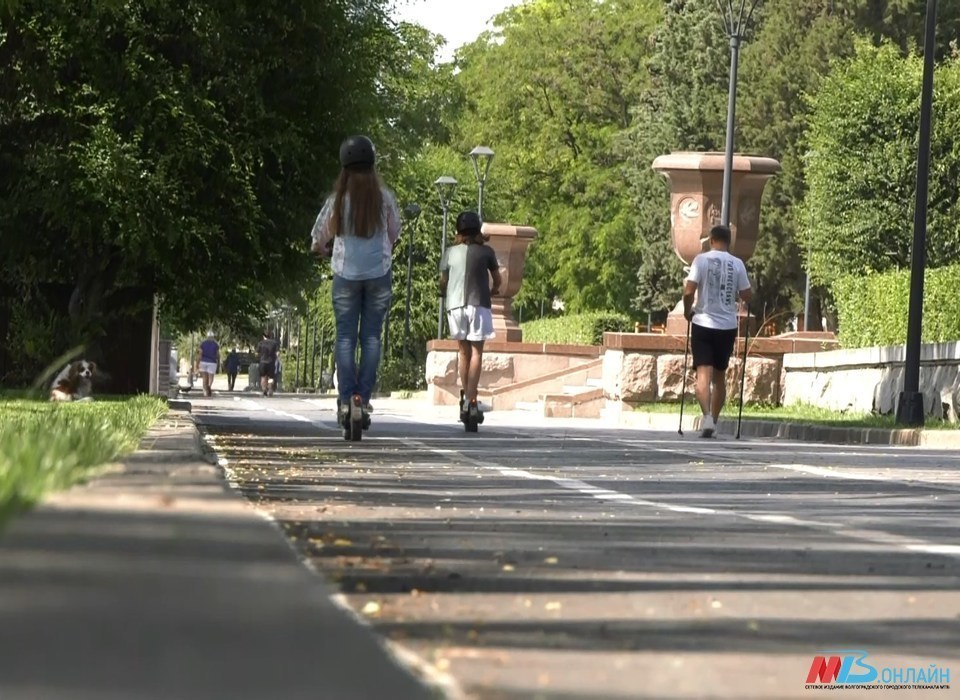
872, 309
575, 329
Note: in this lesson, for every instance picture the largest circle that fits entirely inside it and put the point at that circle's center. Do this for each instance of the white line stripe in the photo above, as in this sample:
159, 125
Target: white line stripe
873, 536
249, 405
879, 537
918, 478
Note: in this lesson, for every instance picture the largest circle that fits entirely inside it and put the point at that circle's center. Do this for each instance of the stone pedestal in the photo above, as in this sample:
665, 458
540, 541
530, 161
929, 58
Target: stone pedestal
510, 243
696, 201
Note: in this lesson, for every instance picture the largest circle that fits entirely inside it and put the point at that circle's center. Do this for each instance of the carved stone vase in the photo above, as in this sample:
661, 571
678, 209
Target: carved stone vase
510, 243
696, 198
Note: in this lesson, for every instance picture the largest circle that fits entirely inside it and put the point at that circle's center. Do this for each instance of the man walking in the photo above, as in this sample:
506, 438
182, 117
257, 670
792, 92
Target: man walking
267, 350
716, 281
232, 365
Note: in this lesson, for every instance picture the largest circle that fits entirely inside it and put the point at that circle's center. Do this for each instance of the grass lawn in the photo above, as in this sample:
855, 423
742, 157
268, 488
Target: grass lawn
795, 414
46, 446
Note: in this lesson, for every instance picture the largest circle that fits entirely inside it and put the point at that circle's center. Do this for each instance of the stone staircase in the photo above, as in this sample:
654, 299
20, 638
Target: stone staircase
579, 394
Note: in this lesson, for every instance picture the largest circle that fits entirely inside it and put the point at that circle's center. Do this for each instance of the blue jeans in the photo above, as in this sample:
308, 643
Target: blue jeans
359, 304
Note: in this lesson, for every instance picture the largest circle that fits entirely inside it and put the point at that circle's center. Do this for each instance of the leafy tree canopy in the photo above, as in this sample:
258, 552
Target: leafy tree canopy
182, 148
861, 167
552, 90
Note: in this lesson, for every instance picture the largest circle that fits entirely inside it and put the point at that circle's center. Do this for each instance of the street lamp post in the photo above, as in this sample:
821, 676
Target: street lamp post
478, 154
296, 357
446, 187
313, 355
411, 212
736, 17
910, 408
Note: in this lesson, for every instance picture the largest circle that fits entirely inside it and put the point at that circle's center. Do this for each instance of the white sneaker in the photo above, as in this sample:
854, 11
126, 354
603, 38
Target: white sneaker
707, 427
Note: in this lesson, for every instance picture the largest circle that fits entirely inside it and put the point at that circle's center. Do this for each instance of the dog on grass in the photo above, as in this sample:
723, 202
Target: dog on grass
74, 383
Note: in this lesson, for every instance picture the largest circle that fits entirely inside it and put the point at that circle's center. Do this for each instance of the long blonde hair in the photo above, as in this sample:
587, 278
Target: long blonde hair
365, 190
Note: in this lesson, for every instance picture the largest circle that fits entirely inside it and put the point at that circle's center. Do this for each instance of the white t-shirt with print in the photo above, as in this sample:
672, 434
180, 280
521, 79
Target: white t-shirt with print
720, 277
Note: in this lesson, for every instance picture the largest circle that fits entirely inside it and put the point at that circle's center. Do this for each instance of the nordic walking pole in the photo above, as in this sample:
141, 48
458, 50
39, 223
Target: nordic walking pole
683, 391
743, 370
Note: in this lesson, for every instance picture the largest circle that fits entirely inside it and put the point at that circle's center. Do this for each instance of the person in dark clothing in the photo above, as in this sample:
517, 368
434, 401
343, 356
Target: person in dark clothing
232, 366
267, 350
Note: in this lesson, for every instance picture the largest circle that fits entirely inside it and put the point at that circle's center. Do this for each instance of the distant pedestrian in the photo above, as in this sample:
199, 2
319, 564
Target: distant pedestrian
232, 367
209, 358
716, 281
358, 227
465, 274
267, 351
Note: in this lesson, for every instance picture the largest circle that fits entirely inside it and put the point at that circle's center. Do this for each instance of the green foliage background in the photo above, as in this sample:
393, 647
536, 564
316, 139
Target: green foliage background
862, 163
873, 309
187, 148
576, 329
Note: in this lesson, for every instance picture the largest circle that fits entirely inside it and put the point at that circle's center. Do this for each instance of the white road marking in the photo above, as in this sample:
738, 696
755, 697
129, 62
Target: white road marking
249, 405
877, 537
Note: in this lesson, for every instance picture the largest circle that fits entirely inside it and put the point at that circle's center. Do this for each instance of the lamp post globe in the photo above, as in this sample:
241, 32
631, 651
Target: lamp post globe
736, 18
446, 188
411, 213
482, 157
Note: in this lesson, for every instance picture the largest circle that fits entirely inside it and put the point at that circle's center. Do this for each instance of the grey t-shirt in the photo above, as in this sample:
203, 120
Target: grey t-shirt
468, 266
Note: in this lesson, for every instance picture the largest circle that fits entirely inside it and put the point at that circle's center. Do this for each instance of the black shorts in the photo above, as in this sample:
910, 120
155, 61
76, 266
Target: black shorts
712, 347
268, 369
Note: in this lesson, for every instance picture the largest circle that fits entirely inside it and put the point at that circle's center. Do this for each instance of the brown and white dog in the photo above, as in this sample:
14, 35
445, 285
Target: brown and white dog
74, 383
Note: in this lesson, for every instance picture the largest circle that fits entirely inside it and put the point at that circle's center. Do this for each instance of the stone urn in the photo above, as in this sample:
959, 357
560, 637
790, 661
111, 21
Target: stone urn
696, 200
510, 243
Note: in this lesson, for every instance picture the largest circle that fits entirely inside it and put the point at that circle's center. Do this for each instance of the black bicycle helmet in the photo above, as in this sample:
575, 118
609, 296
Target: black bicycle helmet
469, 222
357, 153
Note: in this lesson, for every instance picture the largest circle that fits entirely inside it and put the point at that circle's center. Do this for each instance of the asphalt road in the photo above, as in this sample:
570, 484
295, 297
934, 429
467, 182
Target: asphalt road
568, 560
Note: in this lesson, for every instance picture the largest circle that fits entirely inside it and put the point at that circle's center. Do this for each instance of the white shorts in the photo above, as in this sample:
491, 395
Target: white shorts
208, 367
473, 323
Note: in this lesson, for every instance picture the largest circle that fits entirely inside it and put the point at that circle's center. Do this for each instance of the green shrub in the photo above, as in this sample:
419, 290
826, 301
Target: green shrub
576, 329
402, 373
861, 170
872, 309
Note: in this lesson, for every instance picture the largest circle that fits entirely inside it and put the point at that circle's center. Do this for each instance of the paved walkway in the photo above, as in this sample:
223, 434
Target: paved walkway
551, 559
156, 581
565, 560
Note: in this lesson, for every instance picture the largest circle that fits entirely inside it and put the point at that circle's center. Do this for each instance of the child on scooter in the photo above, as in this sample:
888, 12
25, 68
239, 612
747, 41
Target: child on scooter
465, 275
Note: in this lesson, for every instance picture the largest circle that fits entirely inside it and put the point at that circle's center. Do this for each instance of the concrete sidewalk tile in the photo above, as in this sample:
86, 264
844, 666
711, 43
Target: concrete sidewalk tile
155, 581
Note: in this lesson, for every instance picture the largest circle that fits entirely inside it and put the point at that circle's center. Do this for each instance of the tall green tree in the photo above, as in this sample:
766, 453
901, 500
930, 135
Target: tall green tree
861, 169
551, 90
782, 67
901, 21
683, 109
179, 148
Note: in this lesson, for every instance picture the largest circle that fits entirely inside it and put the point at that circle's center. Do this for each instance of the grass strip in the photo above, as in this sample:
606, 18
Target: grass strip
47, 446
803, 414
